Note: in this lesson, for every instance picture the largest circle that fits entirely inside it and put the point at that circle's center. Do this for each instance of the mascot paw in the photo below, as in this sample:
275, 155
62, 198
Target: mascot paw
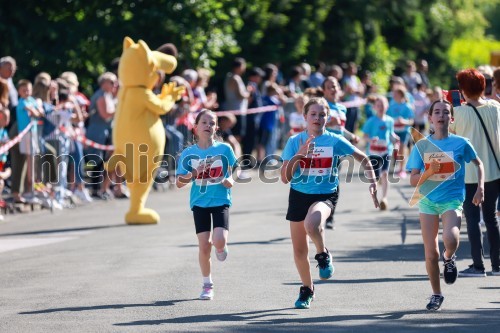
145, 216
170, 90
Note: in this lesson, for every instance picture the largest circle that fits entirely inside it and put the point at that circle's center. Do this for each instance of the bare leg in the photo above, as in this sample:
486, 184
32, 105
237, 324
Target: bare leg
300, 243
430, 227
451, 231
315, 224
205, 247
219, 238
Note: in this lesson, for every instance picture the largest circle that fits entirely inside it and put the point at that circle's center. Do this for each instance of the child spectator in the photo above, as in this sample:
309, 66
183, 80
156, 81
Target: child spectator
27, 109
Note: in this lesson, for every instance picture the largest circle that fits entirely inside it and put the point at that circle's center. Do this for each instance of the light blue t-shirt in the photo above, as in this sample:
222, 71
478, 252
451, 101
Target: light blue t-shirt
339, 110
23, 119
383, 129
317, 173
402, 110
207, 190
452, 152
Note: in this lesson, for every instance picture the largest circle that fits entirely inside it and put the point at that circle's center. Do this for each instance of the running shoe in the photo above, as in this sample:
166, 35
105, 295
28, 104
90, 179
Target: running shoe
450, 271
305, 298
326, 268
495, 271
435, 302
222, 255
207, 292
472, 272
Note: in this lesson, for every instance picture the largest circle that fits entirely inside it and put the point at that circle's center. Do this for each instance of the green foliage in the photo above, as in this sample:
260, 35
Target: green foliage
85, 36
380, 60
467, 53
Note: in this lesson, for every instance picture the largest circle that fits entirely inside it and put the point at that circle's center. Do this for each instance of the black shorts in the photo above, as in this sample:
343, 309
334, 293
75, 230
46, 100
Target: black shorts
203, 217
299, 203
380, 164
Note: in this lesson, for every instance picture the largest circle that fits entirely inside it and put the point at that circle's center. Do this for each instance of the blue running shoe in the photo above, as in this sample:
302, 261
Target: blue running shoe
326, 268
305, 298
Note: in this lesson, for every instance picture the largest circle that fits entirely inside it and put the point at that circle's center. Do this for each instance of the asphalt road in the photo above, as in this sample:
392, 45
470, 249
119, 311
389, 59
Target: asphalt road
84, 270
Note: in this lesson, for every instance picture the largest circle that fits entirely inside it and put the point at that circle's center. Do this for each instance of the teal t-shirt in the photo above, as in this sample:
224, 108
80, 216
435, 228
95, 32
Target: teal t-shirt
317, 173
207, 189
340, 111
403, 110
452, 152
381, 129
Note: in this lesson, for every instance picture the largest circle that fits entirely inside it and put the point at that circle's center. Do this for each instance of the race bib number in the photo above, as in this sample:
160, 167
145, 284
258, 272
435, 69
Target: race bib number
447, 163
399, 127
378, 147
213, 171
318, 162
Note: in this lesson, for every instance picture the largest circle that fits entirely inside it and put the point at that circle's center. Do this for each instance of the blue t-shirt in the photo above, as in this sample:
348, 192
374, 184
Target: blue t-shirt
317, 173
452, 152
207, 189
269, 119
340, 111
402, 110
383, 129
23, 119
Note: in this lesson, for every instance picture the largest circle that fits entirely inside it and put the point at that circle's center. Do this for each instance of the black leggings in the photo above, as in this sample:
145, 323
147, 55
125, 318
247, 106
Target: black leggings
472, 215
203, 217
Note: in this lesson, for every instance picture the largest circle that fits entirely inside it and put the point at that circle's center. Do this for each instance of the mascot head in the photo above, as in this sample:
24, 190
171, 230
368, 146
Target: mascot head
139, 65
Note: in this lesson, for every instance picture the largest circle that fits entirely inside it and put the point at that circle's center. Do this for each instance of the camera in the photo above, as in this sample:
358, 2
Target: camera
456, 98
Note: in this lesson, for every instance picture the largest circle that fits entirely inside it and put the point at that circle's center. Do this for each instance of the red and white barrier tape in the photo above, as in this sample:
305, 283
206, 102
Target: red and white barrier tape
347, 104
248, 111
87, 142
5, 148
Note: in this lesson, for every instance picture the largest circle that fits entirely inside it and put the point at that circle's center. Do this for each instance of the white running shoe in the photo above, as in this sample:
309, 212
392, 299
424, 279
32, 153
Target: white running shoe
222, 255
207, 292
83, 195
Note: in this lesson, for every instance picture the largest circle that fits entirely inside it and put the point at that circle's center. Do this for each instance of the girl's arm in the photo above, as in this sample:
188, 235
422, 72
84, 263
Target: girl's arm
289, 167
479, 196
183, 180
417, 179
367, 166
229, 181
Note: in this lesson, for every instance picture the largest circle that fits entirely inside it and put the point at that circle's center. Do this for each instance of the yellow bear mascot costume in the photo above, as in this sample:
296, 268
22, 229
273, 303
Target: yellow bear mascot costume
138, 132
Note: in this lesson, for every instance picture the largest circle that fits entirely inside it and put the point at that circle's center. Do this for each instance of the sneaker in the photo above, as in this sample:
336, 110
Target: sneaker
330, 224
305, 298
435, 302
326, 268
222, 255
450, 271
495, 271
207, 292
472, 272
383, 204
83, 195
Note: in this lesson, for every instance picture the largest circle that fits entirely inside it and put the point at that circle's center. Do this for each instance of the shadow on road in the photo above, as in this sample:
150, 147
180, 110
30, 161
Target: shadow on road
414, 321
268, 242
108, 306
53, 231
407, 278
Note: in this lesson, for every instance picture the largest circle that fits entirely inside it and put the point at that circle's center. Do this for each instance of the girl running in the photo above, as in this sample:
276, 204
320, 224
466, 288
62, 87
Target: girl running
437, 168
208, 164
379, 133
308, 164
